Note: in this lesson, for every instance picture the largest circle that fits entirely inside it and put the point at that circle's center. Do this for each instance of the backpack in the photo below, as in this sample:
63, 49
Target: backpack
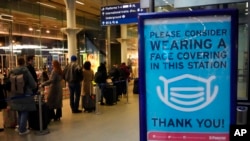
79, 74
17, 83
72, 74
98, 77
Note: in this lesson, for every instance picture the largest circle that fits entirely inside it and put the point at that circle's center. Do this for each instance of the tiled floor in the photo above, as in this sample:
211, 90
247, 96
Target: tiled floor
113, 123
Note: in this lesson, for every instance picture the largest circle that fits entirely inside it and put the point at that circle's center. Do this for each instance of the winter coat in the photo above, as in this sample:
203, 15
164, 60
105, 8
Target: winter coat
87, 81
54, 99
70, 73
24, 102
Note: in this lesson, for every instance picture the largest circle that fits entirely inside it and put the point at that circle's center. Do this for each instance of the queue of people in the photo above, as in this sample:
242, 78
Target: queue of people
76, 76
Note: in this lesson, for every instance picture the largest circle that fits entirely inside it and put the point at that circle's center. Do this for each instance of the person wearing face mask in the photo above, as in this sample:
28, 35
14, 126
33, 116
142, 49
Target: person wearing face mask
30, 66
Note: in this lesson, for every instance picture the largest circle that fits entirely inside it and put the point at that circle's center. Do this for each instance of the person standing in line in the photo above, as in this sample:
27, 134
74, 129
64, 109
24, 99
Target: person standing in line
44, 75
115, 75
124, 77
100, 78
73, 74
54, 99
88, 78
30, 66
25, 104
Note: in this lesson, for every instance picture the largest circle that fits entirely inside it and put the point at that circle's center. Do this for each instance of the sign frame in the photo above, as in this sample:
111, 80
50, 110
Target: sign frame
120, 14
232, 13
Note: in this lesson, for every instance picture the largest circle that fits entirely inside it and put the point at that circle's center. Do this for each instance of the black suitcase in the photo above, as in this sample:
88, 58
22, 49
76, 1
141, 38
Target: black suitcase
136, 86
88, 102
34, 122
110, 94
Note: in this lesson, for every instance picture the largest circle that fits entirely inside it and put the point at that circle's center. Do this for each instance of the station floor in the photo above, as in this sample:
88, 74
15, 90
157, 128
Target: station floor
119, 122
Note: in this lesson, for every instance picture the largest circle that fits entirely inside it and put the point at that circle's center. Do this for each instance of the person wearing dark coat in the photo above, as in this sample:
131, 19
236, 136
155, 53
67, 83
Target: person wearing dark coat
30, 66
115, 75
102, 79
26, 103
74, 82
54, 99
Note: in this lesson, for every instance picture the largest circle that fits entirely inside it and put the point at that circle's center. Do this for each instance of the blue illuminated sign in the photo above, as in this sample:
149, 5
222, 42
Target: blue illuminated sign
188, 70
120, 14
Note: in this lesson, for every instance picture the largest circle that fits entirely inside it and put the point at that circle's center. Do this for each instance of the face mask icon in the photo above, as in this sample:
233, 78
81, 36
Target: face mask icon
187, 92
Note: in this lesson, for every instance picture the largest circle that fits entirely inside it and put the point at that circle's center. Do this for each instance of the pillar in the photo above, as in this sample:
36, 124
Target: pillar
123, 42
71, 29
108, 52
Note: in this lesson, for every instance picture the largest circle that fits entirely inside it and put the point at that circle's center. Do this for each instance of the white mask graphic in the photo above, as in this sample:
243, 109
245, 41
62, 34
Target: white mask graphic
187, 98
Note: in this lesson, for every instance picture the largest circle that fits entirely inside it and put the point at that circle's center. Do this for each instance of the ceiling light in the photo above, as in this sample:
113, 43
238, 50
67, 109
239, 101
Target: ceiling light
246, 4
47, 31
79, 2
30, 29
44, 4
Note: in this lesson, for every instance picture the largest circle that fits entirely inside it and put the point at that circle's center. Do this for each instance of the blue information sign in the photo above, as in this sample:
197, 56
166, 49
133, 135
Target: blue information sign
188, 70
120, 14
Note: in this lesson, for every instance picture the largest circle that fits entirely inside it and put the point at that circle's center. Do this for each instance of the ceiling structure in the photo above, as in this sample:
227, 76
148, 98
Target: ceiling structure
51, 14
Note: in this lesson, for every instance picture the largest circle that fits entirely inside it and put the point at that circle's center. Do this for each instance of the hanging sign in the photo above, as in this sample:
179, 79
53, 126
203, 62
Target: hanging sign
188, 75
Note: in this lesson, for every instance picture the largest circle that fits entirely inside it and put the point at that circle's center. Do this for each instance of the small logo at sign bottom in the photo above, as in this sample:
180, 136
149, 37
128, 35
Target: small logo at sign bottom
239, 132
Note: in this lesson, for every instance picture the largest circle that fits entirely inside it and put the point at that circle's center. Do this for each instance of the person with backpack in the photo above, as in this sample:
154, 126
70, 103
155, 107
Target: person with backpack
54, 99
73, 74
23, 102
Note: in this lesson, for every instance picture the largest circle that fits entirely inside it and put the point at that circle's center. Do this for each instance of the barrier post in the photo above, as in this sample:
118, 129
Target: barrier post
127, 91
41, 131
97, 111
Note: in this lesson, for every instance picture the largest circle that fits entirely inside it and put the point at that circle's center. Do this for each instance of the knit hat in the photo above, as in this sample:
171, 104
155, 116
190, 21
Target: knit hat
73, 58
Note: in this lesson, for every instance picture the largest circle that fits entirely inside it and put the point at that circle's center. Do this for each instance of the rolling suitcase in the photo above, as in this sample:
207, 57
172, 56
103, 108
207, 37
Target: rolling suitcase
33, 118
110, 94
88, 102
136, 86
9, 118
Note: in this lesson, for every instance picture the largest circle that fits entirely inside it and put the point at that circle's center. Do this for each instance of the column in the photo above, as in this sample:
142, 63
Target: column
123, 42
71, 29
108, 52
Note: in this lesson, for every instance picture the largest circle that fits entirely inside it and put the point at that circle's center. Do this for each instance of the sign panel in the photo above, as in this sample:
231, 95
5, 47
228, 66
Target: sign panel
190, 3
146, 3
120, 14
187, 65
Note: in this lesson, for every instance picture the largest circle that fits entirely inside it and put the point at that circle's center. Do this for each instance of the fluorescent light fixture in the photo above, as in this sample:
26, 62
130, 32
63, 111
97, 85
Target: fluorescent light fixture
55, 52
79, 2
60, 49
44, 4
6, 17
48, 17
24, 47
246, 4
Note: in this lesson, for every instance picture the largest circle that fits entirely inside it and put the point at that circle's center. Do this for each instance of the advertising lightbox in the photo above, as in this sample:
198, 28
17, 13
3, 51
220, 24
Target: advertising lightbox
187, 67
